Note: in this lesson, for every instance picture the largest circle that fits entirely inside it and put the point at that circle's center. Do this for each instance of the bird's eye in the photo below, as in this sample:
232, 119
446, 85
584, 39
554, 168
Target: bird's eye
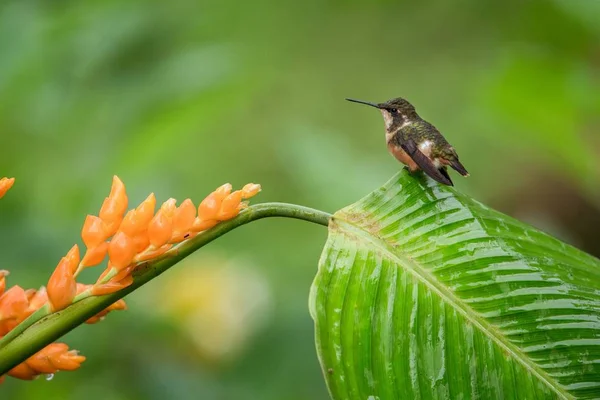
393, 110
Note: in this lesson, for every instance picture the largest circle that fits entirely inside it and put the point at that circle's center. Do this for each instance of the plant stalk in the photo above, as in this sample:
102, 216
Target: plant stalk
53, 326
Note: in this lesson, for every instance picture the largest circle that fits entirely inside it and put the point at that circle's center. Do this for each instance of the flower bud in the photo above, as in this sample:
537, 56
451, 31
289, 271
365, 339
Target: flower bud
93, 232
160, 229
202, 225
5, 185
115, 204
183, 217
73, 258
250, 190
121, 250
22, 371
94, 256
230, 206
209, 207
3, 274
61, 287
145, 211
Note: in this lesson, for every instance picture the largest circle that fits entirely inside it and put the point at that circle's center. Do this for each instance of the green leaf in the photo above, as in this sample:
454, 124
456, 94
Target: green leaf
424, 293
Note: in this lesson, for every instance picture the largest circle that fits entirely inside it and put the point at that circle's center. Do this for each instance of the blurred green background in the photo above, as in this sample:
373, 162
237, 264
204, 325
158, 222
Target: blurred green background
179, 97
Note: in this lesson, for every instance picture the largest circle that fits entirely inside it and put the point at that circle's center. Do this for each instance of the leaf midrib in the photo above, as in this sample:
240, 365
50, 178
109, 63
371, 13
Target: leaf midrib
430, 281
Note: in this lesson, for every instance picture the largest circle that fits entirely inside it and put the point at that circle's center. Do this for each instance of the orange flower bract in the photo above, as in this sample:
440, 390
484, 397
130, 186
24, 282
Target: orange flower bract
5, 185
128, 239
121, 250
95, 255
160, 229
62, 286
93, 232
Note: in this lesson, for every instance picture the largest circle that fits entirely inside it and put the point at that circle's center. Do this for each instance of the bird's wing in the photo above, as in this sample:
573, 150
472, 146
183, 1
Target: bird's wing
411, 148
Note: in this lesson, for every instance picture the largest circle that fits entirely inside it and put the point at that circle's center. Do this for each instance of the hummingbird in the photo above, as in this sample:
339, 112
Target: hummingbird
415, 142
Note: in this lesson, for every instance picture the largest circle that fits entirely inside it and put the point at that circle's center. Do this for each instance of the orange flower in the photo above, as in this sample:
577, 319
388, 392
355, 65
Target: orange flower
145, 211
114, 206
37, 298
183, 219
250, 190
3, 274
151, 254
202, 225
22, 371
13, 308
230, 206
117, 306
95, 255
209, 207
160, 228
73, 257
93, 232
5, 185
51, 359
137, 236
142, 241
121, 250
62, 286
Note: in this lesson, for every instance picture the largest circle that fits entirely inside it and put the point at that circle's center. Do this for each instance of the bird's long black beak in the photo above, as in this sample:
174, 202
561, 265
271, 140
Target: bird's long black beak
364, 102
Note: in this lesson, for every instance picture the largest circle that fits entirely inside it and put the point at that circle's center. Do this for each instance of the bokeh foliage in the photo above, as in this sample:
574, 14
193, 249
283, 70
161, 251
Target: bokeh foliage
179, 97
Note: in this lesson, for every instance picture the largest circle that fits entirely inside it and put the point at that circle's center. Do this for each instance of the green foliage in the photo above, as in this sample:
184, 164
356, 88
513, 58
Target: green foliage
424, 293
177, 97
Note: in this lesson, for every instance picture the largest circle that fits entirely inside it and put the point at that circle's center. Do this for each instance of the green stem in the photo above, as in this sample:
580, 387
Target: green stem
53, 326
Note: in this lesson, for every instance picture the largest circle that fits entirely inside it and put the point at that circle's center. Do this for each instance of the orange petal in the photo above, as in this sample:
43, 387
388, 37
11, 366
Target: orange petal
109, 269
121, 250
229, 206
93, 232
123, 274
69, 361
149, 255
13, 303
223, 190
145, 211
209, 207
142, 241
94, 256
117, 188
82, 287
38, 299
40, 363
111, 227
61, 286
160, 229
115, 205
183, 217
61, 357
22, 371
5, 185
111, 287
202, 225
118, 305
111, 210
129, 225
73, 258
94, 320
3, 274
250, 190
